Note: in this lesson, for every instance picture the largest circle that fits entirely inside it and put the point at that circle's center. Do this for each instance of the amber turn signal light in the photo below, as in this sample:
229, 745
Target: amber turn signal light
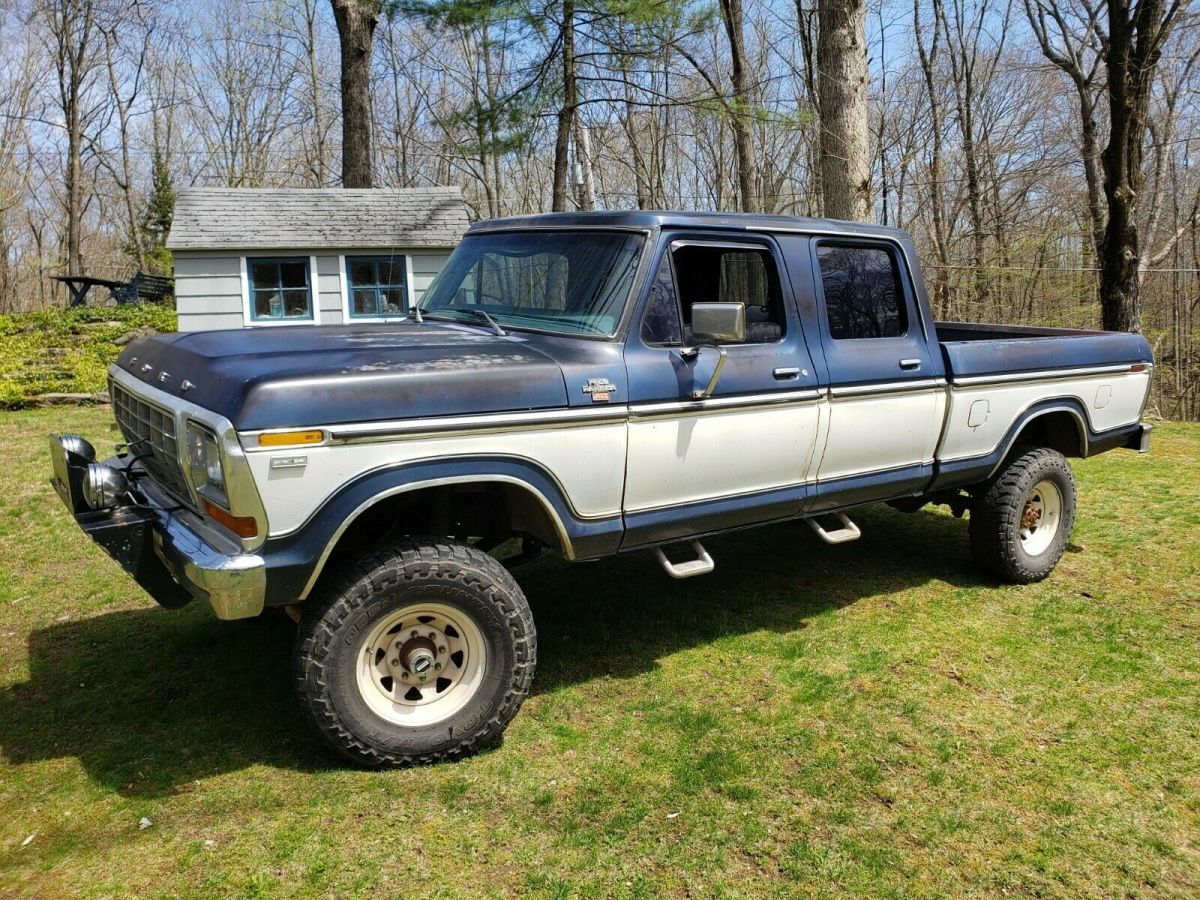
242, 526
290, 438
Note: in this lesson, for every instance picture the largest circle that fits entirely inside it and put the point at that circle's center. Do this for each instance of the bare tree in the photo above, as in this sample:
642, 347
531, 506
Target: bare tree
741, 105
71, 25
1071, 37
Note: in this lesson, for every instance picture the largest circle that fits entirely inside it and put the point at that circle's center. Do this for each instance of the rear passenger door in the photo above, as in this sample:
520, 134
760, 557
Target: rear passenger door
886, 397
742, 455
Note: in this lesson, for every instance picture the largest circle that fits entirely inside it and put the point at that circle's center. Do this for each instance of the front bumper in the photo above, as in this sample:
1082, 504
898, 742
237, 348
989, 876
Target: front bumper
171, 552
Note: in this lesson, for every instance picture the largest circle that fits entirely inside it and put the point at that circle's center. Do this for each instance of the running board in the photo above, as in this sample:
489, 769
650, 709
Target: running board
701, 565
848, 532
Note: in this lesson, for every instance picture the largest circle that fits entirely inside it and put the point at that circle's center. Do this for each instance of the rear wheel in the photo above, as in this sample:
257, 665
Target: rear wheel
1021, 522
420, 651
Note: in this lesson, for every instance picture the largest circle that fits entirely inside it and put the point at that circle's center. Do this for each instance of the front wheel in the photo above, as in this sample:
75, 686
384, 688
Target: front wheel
420, 651
1021, 522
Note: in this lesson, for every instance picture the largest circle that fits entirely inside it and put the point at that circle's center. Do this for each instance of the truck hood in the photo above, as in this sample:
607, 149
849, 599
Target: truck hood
287, 377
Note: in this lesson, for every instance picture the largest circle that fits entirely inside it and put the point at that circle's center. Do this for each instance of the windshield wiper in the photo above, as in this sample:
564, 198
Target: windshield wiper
479, 314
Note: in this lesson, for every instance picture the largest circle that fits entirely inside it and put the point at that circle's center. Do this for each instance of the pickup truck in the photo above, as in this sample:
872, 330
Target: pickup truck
588, 384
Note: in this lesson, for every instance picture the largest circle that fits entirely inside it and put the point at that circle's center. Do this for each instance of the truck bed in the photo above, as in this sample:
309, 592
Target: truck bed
974, 351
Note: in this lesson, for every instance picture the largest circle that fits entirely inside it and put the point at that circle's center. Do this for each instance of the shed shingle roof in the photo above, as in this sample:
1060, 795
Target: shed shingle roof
275, 219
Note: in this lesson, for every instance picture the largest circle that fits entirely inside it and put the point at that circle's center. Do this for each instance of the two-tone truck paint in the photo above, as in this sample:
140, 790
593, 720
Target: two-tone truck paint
589, 384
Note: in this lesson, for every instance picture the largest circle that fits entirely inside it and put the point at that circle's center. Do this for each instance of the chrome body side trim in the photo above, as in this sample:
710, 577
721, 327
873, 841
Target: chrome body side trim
889, 387
1045, 375
548, 418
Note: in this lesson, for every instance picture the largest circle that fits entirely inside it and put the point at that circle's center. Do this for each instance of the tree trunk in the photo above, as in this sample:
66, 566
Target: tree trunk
566, 114
845, 140
1135, 39
583, 154
937, 200
356, 21
731, 13
320, 166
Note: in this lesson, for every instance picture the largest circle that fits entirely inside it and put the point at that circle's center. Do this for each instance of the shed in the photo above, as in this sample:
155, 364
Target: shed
269, 257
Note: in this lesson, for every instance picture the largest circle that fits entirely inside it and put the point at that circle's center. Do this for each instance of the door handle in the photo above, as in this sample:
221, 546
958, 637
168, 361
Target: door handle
910, 364
786, 372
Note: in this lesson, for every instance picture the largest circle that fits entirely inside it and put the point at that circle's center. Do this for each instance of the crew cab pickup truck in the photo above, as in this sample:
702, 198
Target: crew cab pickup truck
588, 384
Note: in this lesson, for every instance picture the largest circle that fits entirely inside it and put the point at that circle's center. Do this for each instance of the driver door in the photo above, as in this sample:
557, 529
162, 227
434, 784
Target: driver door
744, 454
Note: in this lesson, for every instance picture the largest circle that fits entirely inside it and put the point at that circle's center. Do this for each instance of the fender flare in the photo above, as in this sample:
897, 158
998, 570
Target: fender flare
296, 560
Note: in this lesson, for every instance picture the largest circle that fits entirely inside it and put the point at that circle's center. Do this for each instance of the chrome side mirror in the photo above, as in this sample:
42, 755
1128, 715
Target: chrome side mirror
714, 324
719, 323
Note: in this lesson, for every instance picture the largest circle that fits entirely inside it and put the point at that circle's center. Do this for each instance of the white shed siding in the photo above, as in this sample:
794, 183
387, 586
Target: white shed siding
208, 291
424, 266
329, 289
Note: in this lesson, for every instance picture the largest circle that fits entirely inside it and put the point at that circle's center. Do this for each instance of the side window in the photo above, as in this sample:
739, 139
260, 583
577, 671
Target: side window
377, 285
279, 288
863, 296
715, 274
661, 322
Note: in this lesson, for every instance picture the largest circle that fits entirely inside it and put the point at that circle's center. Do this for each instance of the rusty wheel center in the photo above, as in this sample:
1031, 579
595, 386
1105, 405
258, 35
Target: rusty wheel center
1031, 516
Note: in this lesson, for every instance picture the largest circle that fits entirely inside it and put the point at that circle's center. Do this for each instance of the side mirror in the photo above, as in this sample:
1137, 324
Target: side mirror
714, 324
719, 323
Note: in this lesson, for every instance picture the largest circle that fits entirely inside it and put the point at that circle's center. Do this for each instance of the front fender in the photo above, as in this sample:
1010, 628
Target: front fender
295, 561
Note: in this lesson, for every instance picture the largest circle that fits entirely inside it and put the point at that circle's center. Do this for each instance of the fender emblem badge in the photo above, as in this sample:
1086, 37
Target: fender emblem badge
289, 462
600, 389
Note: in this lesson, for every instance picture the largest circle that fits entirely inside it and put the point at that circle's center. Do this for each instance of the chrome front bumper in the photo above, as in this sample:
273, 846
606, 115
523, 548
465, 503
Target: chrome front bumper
171, 552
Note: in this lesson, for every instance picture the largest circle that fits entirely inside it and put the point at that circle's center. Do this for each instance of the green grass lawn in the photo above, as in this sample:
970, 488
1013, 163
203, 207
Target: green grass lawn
872, 719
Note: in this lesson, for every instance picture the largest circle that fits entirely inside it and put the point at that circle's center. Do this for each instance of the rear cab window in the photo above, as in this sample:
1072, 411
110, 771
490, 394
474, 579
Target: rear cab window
864, 294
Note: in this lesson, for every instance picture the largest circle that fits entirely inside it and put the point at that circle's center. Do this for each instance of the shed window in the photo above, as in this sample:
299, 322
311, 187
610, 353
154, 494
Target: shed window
378, 285
280, 288
863, 295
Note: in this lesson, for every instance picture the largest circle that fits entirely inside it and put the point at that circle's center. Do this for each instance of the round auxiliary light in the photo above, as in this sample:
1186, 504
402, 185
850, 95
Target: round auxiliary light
77, 446
103, 486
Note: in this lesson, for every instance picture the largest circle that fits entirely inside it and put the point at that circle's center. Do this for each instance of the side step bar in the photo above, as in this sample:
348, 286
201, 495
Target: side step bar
701, 565
848, 532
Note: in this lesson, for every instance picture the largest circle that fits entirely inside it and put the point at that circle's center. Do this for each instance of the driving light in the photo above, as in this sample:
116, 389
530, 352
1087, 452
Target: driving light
77, 446
104, 486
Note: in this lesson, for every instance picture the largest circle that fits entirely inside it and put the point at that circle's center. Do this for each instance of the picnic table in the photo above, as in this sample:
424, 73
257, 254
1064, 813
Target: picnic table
152, 288
79, 285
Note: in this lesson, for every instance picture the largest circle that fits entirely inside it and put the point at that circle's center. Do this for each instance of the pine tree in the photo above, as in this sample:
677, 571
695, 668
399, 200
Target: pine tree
156, 217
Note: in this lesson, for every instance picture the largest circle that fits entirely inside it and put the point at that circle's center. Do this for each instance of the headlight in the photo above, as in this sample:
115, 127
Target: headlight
204, 463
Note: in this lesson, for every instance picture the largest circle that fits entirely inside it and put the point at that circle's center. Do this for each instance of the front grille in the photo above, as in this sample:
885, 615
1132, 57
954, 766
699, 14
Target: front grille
149, 431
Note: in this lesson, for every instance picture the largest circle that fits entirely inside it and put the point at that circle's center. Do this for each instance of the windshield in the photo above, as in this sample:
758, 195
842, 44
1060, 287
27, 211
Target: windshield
570, 282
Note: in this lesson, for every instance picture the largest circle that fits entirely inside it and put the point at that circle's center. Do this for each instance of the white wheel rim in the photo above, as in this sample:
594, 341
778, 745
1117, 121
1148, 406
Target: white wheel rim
1041, 518
421, 664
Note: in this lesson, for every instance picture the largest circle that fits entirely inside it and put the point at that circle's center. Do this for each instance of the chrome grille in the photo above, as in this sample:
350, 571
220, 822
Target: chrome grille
149, 431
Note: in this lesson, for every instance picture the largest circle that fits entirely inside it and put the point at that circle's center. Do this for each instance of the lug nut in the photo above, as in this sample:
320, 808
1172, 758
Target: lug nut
437, 667
441, 649
404, 676
414, 632
433, 635
395, 662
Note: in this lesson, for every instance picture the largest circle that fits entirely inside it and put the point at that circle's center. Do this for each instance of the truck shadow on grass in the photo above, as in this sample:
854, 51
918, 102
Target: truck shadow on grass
149, 700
